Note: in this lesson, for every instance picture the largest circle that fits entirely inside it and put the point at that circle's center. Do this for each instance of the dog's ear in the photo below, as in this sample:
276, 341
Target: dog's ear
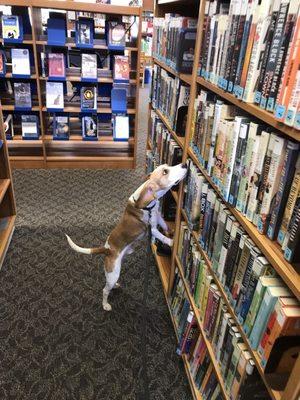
147, 195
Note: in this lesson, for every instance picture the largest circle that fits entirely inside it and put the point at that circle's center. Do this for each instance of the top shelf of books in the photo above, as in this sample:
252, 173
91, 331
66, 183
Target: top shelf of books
76, 6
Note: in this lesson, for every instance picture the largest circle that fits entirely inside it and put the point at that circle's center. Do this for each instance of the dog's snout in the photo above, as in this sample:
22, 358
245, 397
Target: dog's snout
184, 165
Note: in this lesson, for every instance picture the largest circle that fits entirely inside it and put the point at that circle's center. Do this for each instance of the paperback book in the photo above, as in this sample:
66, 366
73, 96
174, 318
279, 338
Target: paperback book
88, 96
116, 35
22, 93
89, 67
20, 62
11, 27
61, 130
30, 127
56, 66
89, 127
55, 96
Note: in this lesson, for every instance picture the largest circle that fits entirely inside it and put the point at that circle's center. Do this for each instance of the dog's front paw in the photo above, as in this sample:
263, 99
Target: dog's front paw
107, 307
170, 242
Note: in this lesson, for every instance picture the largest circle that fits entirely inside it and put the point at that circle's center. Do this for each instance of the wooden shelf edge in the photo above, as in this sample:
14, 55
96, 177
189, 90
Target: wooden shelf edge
187, 78
6, 237
88, 7
195, 393
207, 342
252, 109
276, 395
77, 109
161, 264
4, 185
268, 247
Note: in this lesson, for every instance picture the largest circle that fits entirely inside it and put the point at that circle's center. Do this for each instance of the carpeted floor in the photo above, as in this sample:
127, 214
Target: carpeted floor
56, 342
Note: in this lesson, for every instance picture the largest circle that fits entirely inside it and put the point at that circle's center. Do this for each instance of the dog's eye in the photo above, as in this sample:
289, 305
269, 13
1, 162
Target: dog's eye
165, 171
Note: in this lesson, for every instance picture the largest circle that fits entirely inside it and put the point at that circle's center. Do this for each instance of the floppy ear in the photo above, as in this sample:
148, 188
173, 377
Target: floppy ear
147, 195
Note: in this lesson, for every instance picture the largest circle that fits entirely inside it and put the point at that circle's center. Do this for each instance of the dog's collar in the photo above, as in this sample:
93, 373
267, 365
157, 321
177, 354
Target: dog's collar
145, 208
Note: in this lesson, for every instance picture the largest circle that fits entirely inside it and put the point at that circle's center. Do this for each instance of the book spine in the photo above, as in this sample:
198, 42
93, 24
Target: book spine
281, 62
240, 271
274, 53
292, 251
286, 178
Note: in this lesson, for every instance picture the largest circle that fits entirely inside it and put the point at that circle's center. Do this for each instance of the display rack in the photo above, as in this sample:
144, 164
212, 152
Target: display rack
74, 153
168, 265
7, 201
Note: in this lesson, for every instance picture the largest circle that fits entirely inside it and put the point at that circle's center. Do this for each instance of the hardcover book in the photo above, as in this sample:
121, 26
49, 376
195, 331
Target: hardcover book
56, 65
89, 127
20, 62
2, 64
89, 67
30, 127
22, 93
11, 28
85, 32
116, 35
121, 69
88, 96
54, 95
121, 127
61, 129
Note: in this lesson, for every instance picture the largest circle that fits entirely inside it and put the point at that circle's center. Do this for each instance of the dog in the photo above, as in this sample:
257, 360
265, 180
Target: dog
141, 210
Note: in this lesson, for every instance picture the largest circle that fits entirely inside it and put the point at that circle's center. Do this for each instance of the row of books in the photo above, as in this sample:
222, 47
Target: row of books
91, 127
53, 65
171, 97
191, 343
12, 31
237, 367
255, 169
251, 48
174, 41
252, 287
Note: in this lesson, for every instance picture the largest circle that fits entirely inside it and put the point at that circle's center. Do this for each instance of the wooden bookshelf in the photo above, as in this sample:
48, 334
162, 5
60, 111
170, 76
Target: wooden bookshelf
270, 249
7, 201
106, 153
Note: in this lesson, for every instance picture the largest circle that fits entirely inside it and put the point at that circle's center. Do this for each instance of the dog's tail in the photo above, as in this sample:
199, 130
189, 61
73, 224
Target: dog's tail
85, 250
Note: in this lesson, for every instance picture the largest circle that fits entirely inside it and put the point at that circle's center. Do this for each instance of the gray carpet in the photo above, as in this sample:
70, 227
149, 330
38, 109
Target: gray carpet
56, 342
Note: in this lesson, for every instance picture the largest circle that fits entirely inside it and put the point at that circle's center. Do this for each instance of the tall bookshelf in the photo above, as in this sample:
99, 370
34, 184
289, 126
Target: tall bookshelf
7, 201
270, 249
74, 153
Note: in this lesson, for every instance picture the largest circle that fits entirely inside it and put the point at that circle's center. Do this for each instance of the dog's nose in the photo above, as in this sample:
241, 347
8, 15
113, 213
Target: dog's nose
184, 165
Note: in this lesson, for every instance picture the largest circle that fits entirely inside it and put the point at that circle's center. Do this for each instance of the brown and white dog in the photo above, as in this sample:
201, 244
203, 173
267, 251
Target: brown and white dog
142, 209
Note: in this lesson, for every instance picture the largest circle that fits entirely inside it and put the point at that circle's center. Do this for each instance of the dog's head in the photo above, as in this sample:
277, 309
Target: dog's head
160, 181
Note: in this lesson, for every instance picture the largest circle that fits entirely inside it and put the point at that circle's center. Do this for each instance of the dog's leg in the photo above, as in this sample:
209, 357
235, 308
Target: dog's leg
158, 235
162, 223
112, 274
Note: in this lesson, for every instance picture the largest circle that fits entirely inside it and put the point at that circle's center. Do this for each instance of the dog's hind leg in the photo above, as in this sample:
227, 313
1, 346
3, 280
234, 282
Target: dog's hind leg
114, 266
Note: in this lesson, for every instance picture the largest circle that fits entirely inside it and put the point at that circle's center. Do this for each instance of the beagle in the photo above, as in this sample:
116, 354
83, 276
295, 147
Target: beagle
141, 210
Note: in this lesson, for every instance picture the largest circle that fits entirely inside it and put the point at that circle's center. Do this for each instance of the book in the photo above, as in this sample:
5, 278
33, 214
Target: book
54, 95
290, 204
270, 297
182, 110
116, 35
11, 27
20, 62
121, 69
284, 321
56, 65
89, 127
30, 127
85, 32
291, 240
244, 368
121, 127
263, 283
2, 63
88, 98
61, 129
89, 67
286, 178
22, 94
